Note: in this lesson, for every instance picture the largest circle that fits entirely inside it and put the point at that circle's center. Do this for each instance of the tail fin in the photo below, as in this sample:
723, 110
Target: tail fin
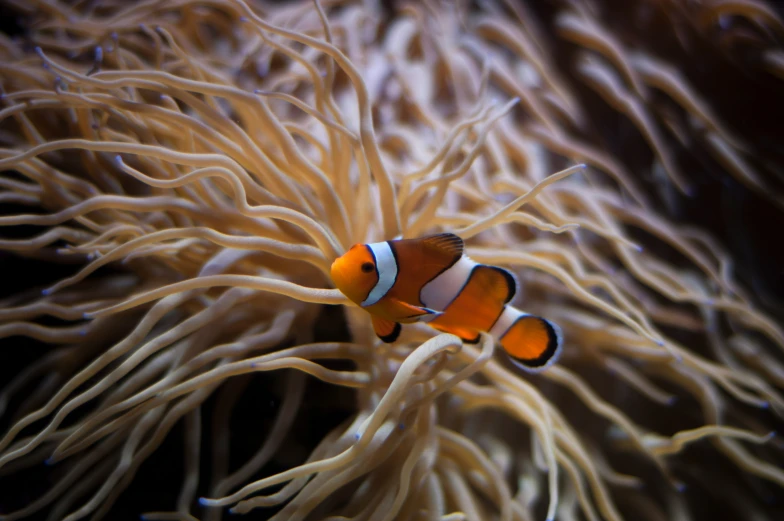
532, 342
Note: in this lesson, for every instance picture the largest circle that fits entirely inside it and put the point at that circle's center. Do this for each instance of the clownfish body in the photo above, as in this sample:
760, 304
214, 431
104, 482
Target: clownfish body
431, 280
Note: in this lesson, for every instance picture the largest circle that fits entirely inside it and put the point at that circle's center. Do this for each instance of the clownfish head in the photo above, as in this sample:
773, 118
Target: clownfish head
355, 273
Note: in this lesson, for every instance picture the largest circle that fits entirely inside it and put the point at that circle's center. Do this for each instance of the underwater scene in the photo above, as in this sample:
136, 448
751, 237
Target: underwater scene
365, 260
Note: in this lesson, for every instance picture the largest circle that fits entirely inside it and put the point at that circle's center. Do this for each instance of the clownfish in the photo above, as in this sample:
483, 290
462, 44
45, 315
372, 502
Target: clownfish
430, 280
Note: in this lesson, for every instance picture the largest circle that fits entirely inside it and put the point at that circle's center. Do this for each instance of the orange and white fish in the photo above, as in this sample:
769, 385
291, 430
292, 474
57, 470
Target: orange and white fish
431, 280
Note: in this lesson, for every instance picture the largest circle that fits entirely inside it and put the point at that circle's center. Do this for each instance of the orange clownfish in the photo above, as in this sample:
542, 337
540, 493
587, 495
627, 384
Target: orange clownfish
431, 280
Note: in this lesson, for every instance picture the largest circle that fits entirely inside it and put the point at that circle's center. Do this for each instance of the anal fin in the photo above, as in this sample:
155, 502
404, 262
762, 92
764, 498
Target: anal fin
467, 336
386, 330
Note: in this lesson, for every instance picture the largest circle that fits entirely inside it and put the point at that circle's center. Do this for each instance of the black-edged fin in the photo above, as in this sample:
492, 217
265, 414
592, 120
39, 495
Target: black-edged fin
446, 242
512, 284
405, 310
500, 283
386, 330
533, 343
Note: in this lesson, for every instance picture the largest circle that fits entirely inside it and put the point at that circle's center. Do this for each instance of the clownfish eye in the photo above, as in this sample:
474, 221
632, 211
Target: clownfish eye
367, 267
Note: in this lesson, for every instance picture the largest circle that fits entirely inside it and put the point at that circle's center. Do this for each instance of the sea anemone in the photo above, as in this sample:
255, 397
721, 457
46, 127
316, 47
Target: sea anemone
197, 166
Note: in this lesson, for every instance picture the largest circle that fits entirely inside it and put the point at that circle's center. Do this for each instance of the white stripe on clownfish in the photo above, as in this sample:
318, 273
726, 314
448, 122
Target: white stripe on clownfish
508, 317
386, 267
442, 290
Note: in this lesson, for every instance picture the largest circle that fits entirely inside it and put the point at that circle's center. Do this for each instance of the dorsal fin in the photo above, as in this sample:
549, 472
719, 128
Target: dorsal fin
511, 283
421, 260
446, 242
498, 282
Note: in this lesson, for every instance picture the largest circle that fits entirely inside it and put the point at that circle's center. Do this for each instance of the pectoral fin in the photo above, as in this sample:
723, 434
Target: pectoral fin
409, 311
386, 330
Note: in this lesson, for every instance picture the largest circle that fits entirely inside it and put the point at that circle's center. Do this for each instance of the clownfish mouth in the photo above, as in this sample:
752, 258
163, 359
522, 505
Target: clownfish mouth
341, 278
334, 272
